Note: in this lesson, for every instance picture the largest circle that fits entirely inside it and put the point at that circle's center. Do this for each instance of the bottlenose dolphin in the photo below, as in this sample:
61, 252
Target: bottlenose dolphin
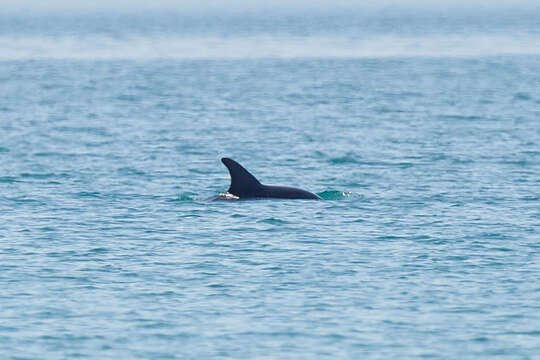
246, 186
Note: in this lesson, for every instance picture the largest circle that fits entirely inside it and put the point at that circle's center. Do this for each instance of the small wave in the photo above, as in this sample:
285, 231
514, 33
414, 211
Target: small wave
101, 131
347, 159
25, 200
186, 196
47, 228
44, 175
8, 179
459, 117
335, 195
274, 221
522, 96
238, 216
131, 171
98, 250
89, 194
129, 98
55, 154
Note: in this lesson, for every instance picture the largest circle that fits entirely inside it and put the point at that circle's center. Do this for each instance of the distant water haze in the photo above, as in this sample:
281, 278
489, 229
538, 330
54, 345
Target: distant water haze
276, 29
176, 47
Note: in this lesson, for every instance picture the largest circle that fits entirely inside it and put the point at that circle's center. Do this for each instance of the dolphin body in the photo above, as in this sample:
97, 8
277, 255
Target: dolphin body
246, 186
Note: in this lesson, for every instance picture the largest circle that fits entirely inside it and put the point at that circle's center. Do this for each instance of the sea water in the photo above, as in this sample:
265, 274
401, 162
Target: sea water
421, 134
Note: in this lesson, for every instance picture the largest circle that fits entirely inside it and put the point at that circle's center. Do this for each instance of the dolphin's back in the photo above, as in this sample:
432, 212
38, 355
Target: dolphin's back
246, 186
285, 192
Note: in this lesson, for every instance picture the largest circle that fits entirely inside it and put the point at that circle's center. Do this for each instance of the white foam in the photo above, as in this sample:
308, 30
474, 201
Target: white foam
97, 47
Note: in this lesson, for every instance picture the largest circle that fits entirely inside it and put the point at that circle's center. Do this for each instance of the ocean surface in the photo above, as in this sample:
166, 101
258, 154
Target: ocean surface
421, 134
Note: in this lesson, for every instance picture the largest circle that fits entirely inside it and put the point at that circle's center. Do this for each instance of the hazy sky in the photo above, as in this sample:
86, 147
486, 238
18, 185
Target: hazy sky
252, 5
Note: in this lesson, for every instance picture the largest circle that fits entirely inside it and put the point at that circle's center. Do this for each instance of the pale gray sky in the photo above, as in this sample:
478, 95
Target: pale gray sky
252, 5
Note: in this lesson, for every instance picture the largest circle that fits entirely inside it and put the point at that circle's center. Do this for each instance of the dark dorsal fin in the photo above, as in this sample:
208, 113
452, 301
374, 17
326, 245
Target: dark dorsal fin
242, 182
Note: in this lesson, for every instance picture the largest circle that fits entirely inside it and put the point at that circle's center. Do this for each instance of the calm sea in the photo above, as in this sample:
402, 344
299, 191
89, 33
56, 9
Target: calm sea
421, 132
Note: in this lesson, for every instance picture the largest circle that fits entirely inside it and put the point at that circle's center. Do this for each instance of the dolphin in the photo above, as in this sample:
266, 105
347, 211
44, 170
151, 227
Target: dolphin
246, 186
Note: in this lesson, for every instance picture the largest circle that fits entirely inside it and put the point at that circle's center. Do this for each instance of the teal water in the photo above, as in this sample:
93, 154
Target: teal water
426, 245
